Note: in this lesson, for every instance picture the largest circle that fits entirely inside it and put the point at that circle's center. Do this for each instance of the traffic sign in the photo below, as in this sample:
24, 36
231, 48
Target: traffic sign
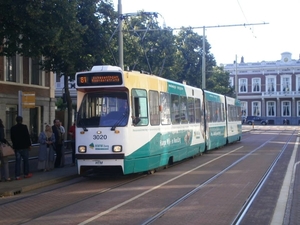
28, 99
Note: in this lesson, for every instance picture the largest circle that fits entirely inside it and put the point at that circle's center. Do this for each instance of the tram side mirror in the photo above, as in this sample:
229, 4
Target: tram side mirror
136, 120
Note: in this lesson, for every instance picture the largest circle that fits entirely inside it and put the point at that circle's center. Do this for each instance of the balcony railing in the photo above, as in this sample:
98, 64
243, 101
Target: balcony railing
281, 93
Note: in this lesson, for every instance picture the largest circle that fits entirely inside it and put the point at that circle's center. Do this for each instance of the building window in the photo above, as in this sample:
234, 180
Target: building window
298, 83
271, 108
244, 108
11, 113
256, 84
231, 81
256, 108
243, 85
285, 83
35, 71
271, 84
286, 108
11, 68
298, 108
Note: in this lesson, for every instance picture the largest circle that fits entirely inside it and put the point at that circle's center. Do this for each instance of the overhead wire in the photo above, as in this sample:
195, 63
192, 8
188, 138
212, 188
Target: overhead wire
246, 18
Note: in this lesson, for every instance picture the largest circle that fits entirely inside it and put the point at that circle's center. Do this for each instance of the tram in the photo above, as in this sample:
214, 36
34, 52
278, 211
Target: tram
139, 122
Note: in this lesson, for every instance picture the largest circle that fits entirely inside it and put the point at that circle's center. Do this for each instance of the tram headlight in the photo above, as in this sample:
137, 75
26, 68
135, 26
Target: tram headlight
117, 148
82, 149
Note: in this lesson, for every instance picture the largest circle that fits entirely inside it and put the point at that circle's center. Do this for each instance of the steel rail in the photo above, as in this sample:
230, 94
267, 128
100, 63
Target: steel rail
190, 193
237, 220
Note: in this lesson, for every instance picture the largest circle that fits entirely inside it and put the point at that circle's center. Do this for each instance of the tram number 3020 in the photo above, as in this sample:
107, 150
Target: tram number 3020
99, 137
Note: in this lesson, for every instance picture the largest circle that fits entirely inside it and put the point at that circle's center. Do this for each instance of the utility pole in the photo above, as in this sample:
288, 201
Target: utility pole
203, 60
235, 79
120, 35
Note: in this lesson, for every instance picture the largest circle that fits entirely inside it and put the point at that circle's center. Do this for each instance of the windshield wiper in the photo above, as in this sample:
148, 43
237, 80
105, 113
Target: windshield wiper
125, 114
83, 125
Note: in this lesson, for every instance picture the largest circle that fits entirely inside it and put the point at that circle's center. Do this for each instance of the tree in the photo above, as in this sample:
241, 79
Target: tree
147, 46
218, 82
69, 34
189, 59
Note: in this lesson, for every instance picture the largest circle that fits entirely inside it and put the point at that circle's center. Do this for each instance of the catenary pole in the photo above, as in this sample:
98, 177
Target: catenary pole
203, 60
120, 35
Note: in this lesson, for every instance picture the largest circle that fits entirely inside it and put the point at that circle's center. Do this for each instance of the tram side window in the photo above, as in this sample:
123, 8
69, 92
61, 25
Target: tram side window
234, 113
222, 112
239, 115
230, 113
154, 107
209, 111
183, 110
191, 110
139, 107
198, 113
165, 113
215, 112
175, 109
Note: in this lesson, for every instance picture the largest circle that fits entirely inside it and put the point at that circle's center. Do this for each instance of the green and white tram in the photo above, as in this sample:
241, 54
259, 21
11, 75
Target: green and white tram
234, 124
138, 122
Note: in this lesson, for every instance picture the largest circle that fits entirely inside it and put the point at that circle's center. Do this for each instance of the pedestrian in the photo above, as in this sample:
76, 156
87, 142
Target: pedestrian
46, 149
58, 144
22, 144
63, 132
62, 129
4, 174
73, 135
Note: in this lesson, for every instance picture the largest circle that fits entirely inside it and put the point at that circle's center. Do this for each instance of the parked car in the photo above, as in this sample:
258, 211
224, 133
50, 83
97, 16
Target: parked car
256, 120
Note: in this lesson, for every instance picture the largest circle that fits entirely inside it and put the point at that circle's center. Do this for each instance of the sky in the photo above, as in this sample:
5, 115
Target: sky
256, 43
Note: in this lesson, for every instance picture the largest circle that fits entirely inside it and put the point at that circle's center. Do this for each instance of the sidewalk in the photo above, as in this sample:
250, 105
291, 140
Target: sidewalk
39, 179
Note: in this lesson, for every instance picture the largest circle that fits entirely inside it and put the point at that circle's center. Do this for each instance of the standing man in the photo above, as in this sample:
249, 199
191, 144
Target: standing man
58, 143
22, 144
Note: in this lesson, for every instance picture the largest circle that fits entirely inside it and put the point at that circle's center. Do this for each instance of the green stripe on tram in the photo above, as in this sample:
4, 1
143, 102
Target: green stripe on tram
178, 89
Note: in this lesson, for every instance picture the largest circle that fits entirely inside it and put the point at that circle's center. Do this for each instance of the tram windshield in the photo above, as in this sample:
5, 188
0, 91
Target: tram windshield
103, 109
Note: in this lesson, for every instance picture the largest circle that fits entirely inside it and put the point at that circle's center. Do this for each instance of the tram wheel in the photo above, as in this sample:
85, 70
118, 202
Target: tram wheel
151, 172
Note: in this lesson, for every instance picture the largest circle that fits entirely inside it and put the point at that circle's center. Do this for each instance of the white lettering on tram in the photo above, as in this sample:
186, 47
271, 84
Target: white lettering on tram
101, 147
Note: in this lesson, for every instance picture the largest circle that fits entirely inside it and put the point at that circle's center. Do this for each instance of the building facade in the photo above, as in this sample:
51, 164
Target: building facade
23, 74
270, 89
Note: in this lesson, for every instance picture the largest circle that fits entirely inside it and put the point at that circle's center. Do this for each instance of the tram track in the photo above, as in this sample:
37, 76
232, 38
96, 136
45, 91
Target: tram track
90, 186
257, 189
248, 202
36, 197
189, 194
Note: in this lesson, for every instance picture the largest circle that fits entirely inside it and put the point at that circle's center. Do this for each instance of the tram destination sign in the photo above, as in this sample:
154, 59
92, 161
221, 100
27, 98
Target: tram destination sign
99, 79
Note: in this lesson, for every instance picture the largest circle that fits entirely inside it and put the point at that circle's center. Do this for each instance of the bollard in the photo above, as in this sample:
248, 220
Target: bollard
252, 125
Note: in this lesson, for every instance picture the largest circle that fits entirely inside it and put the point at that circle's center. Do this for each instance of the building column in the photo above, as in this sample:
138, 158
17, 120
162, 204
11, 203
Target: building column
294, 108
263, 107
278, 109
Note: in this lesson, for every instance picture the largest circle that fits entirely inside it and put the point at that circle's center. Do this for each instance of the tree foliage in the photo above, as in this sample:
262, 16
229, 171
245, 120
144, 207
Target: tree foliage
218, 82
73, 35
69, 34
